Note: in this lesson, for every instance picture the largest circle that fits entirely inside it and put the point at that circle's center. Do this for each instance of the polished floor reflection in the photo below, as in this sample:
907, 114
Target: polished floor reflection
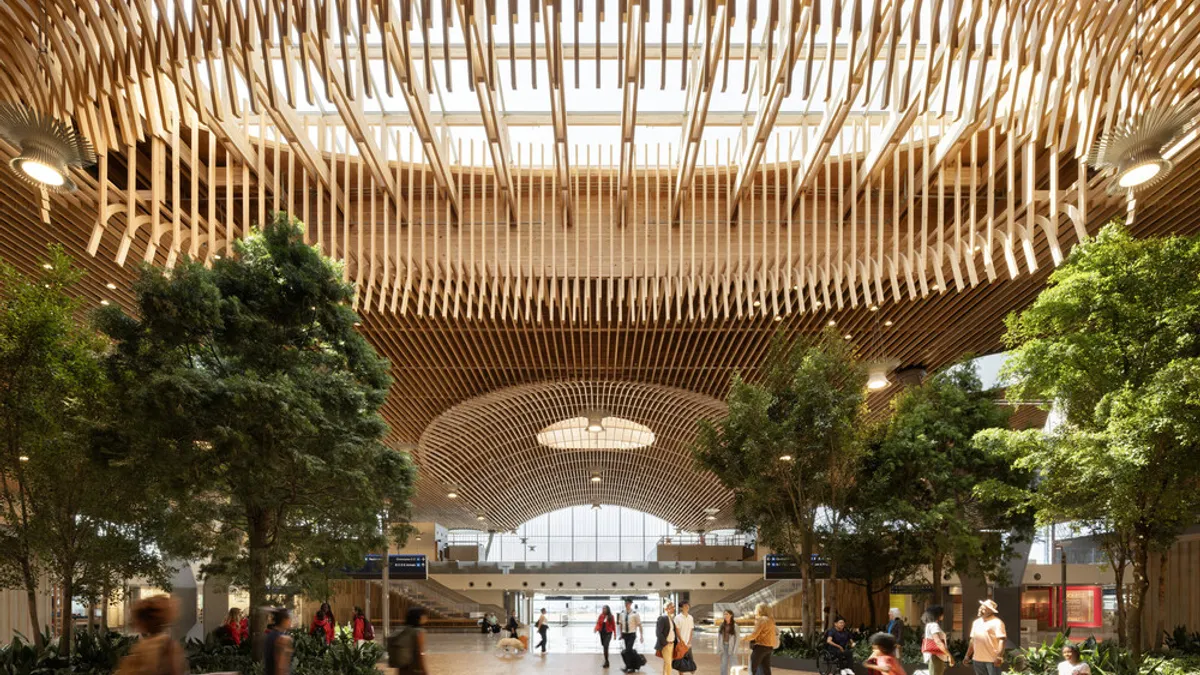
574, 650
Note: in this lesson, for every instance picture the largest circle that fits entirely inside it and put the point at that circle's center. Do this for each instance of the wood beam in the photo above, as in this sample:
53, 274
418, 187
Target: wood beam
634, 31
769, 104
716, 33
552, 23
474, 19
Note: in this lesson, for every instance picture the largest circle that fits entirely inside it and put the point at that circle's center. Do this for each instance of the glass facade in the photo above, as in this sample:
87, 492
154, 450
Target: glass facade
584, 534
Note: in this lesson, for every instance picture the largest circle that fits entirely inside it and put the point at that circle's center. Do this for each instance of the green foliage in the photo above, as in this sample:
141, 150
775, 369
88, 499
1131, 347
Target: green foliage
1114, 341
254, 400
62, 504
311, 656
806, 405
1181, 641
939, 486
95, 653
1104, 658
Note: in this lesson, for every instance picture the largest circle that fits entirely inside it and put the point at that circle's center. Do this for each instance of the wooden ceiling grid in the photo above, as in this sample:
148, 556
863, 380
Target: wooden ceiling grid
899, 162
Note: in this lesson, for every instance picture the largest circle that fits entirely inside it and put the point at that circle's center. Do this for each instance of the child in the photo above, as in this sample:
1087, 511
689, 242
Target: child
883, 659
1071, 663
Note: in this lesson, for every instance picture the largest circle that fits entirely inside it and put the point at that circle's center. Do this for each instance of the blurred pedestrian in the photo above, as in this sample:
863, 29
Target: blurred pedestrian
277, 646
155, 653
406, 647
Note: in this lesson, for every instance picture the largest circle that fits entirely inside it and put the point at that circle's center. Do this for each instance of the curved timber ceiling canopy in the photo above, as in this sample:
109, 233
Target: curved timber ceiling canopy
487, 450
606, 201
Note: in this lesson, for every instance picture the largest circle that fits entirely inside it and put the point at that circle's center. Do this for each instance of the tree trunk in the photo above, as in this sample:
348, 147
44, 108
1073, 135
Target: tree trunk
39, 638
1119, 577
936, 571
1160, 626
258, 579
1141, 586
66, 641
832, 596
871, 605
805, 594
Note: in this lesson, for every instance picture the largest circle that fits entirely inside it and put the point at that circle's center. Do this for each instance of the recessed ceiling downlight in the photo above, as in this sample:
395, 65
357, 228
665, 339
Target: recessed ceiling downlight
591, 432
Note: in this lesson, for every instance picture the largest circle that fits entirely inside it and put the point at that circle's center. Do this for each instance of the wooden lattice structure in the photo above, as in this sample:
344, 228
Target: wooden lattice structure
603, 193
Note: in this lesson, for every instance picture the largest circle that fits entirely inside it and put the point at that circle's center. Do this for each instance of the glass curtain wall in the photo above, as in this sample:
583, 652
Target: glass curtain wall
578, 534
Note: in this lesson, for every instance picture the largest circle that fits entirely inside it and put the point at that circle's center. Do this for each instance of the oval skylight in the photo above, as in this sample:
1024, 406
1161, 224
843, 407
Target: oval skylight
617, 434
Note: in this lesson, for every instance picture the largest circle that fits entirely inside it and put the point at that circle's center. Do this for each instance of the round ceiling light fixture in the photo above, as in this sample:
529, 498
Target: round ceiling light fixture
49, 147
595, 478
877, 374
595, 421
1137, 152
595, 506
480, 517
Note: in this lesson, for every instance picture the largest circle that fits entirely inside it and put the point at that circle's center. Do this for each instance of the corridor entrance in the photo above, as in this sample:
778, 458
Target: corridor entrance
583, 610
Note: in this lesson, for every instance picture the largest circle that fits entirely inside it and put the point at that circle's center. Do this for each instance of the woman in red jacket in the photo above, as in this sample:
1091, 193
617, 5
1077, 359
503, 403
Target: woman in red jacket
322, 624
606, 625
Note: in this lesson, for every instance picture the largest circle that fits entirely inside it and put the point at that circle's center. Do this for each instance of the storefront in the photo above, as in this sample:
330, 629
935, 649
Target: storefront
1044, 604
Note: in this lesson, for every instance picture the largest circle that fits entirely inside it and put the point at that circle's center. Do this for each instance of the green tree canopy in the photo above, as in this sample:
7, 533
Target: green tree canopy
940, 485
785, 444
66, 510
1113, 342
250, 392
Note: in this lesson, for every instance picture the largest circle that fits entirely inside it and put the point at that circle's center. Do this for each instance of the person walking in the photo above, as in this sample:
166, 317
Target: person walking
513, 625
685, 624
155, 653
606, 625
986, 649
361, 628
631, 625
934, 649
895, 628
277, 646
664, 637
727, 641
763, 640
883, 657
406, 647
543, 629
1072, 664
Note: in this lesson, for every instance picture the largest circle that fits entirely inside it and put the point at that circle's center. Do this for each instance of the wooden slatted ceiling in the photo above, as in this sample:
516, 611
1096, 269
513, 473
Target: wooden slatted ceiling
945, 204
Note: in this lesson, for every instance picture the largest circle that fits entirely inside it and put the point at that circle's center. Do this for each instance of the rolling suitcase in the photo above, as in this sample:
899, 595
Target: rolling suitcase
633, 660
743, 668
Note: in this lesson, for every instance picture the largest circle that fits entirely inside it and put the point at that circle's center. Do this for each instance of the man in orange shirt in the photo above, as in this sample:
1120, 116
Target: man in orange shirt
986, 651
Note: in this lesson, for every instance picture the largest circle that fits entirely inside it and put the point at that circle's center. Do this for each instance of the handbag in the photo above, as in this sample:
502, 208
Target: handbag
685, 664
931, 647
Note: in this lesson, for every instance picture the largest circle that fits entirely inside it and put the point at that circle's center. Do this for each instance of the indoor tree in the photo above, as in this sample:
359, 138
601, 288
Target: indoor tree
941, 486
254, 399
1112, 342
67, 513
784, 444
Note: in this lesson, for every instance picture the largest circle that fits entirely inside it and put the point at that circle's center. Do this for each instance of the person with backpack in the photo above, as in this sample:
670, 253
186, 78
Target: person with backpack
361, 627
322, 625
155, 653
277, 646
406, 647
